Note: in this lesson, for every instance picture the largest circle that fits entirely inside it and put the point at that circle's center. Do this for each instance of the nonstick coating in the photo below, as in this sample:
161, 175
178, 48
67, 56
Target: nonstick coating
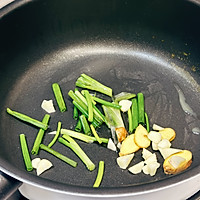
132, 46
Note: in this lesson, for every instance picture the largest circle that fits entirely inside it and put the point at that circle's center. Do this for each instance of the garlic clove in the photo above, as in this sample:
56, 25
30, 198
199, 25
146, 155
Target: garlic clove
43, 165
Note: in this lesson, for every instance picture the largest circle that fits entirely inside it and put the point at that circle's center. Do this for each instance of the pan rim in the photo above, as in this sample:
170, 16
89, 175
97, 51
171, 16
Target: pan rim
82, 191
89, 191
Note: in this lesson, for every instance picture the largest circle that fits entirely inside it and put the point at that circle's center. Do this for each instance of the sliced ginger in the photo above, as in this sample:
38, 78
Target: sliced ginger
141, 137
168, 133
121, 133
177, 162
128, 146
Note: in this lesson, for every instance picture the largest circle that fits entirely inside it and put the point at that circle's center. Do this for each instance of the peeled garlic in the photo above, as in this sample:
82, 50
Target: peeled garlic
157, 127
125, 105
154, 136
164, 143
47, 105
146, 153
166, 152
153, 168
151, 159
35, 162
124, 161
52, 133
111, 145
43, 165
154, 146
137, 168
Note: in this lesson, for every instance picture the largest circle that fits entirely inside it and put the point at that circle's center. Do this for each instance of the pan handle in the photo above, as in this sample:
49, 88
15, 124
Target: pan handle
8, 186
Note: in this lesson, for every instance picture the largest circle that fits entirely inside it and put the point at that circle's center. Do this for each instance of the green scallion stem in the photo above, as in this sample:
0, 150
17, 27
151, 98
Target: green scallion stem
90, 106
25, 153
75, 113
106, 103
140, 98
59, 97
134, 109
147, 121
78, 127
85, 125
99, 174
81, 136
70, 142
95, 134
85, 81
124, 96
58, 155
82, 106
130, 121
27, 119
56, 135
40, 135
97, 112
84, 112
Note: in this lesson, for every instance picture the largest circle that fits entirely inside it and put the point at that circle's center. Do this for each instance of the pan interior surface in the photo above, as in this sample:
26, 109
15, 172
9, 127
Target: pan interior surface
134, 71
120, 51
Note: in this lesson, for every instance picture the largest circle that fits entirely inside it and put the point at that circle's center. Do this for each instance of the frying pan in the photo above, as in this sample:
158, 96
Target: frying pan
133, 46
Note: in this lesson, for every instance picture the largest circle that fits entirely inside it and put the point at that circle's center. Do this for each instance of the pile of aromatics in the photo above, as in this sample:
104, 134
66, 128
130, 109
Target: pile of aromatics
89, 118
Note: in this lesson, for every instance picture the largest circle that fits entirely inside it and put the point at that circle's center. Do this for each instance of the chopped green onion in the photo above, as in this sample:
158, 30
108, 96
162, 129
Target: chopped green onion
59, 97
38, 140
97, 112
70, 142
25, 153
27, 119
124, 96
81, 136
56, 135
78, 127
84, 112
95, 134
140, 98
82, 107
58, 155
85, 125
106, 103
99, 174
147, 121
130, 120
90, 106
75, 113
134, 109
85, 81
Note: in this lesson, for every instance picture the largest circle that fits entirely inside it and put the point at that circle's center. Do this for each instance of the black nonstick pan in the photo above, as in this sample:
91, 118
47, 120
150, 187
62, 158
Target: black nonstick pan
133, 46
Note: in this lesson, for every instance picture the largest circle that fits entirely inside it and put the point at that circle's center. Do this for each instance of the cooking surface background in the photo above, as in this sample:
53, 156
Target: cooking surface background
117, 72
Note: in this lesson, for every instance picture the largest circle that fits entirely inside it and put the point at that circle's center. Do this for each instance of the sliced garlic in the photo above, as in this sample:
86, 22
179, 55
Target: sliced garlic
175, 161
154, 146
145, 169
124, 161
111, 145
47, 105
52, 133
154, 136
153, 168
164, 143
151, 159
125, 105
146, 153
43, 165
166, 152
156, 127
137, 168
35, 162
